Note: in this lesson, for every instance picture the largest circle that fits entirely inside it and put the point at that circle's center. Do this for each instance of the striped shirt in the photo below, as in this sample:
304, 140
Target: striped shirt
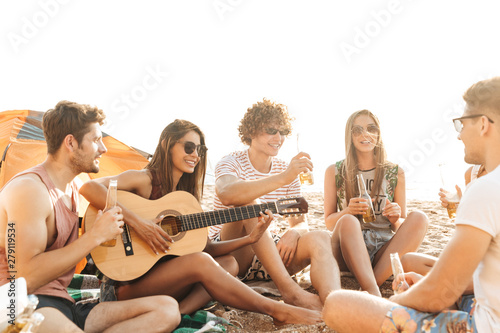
238, 164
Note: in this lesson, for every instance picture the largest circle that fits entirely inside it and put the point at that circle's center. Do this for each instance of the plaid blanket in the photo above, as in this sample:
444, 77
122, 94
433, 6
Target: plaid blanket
201, 321
85, 288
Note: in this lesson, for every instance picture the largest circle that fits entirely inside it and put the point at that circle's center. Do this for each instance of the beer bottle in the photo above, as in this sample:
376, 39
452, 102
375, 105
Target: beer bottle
33, 324
369, 215
111, 200
397, 269
24, 317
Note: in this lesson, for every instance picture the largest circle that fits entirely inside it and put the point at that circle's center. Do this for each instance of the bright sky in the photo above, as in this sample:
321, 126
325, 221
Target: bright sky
146, 63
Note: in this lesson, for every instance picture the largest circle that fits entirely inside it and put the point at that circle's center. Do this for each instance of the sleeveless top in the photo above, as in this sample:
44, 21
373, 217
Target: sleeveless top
387, 189
66, 221
156, 192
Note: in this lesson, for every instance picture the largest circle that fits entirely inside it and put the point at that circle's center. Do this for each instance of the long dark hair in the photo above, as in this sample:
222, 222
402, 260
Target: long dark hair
161, 161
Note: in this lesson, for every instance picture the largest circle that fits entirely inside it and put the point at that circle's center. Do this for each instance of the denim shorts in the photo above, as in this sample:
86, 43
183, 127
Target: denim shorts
375, 239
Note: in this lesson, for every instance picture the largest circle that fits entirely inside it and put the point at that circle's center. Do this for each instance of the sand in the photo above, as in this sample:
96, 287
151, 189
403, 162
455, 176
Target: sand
438, 234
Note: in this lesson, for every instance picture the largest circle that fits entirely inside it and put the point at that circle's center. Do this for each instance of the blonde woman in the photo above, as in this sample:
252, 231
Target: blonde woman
364, 248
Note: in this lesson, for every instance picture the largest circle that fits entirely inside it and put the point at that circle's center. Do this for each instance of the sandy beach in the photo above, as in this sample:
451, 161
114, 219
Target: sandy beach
438, 234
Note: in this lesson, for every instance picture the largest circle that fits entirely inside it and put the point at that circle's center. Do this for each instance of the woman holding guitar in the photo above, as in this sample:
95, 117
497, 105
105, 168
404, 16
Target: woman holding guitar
179, 164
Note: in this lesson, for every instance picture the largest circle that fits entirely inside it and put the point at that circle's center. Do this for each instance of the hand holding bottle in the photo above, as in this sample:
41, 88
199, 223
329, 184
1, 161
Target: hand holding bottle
368, 215
111, 201
398, 273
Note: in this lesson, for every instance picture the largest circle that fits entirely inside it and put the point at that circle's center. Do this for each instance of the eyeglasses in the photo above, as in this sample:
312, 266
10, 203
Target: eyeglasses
457, 122
371, 130
273, 131
189, 148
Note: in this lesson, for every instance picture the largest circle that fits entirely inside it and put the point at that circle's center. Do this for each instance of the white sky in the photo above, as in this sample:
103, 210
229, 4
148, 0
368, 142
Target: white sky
407, 61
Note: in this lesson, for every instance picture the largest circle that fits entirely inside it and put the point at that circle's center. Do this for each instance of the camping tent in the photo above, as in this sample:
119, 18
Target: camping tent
22, 146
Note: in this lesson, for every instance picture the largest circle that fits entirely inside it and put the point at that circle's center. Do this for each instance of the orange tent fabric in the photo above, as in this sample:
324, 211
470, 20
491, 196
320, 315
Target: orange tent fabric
22, 146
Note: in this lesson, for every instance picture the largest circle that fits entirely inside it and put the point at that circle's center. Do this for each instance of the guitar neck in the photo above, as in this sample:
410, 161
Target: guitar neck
207, 219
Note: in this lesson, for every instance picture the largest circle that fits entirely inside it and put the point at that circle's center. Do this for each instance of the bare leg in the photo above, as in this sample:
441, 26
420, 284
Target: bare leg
154, 314
56, 322
198, 297
353, 311
175, 275
266, 251
408, 238
315, 248
347, 234
418, 262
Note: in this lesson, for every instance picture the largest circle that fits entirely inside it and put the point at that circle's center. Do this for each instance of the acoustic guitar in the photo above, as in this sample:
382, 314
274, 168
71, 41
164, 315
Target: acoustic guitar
183, 219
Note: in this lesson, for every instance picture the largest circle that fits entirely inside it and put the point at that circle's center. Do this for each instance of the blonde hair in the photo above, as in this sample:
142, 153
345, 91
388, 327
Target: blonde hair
484, 95
350, 167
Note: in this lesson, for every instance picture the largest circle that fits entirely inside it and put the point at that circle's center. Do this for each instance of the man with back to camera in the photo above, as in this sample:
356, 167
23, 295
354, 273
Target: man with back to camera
473, 253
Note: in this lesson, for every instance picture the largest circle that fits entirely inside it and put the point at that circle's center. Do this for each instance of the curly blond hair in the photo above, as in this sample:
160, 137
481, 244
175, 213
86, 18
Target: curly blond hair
263, 114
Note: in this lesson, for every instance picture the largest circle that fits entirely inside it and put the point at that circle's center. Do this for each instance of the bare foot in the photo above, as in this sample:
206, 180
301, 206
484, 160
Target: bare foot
304, 299
289, 314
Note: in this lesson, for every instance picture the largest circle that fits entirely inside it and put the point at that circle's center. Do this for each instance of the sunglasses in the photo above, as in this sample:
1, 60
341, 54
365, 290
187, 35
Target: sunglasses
273, 131
457, 122
190, 147
371, 130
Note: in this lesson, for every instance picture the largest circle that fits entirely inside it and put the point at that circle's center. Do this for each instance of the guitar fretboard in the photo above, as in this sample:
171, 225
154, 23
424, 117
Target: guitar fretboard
207, 219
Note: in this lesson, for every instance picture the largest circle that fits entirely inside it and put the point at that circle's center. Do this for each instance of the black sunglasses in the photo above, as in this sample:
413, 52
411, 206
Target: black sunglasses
273, 131
457, 122
189, 148
371, 129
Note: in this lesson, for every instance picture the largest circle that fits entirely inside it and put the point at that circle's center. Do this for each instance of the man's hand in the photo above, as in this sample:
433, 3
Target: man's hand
108, 225
151, 233
299, 163
411, 278
261, 226
287, 246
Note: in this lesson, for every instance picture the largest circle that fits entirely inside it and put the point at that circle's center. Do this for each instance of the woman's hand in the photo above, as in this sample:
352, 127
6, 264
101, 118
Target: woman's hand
444, 193
261, 226
357, 206
392, 211
151, 233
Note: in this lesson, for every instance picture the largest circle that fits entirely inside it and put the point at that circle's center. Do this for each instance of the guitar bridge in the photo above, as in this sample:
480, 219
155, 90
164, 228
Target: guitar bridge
127, 241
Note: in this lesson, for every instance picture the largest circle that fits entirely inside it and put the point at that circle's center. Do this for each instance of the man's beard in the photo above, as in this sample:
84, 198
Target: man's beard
81, 163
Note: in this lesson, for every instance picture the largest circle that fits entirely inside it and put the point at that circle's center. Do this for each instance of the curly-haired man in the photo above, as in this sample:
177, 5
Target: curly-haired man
256, 174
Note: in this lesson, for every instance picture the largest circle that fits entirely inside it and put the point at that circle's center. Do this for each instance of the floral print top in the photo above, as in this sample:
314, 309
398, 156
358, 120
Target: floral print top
387, 189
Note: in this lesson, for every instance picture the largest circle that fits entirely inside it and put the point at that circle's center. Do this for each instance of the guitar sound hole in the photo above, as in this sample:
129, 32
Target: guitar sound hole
170, 225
